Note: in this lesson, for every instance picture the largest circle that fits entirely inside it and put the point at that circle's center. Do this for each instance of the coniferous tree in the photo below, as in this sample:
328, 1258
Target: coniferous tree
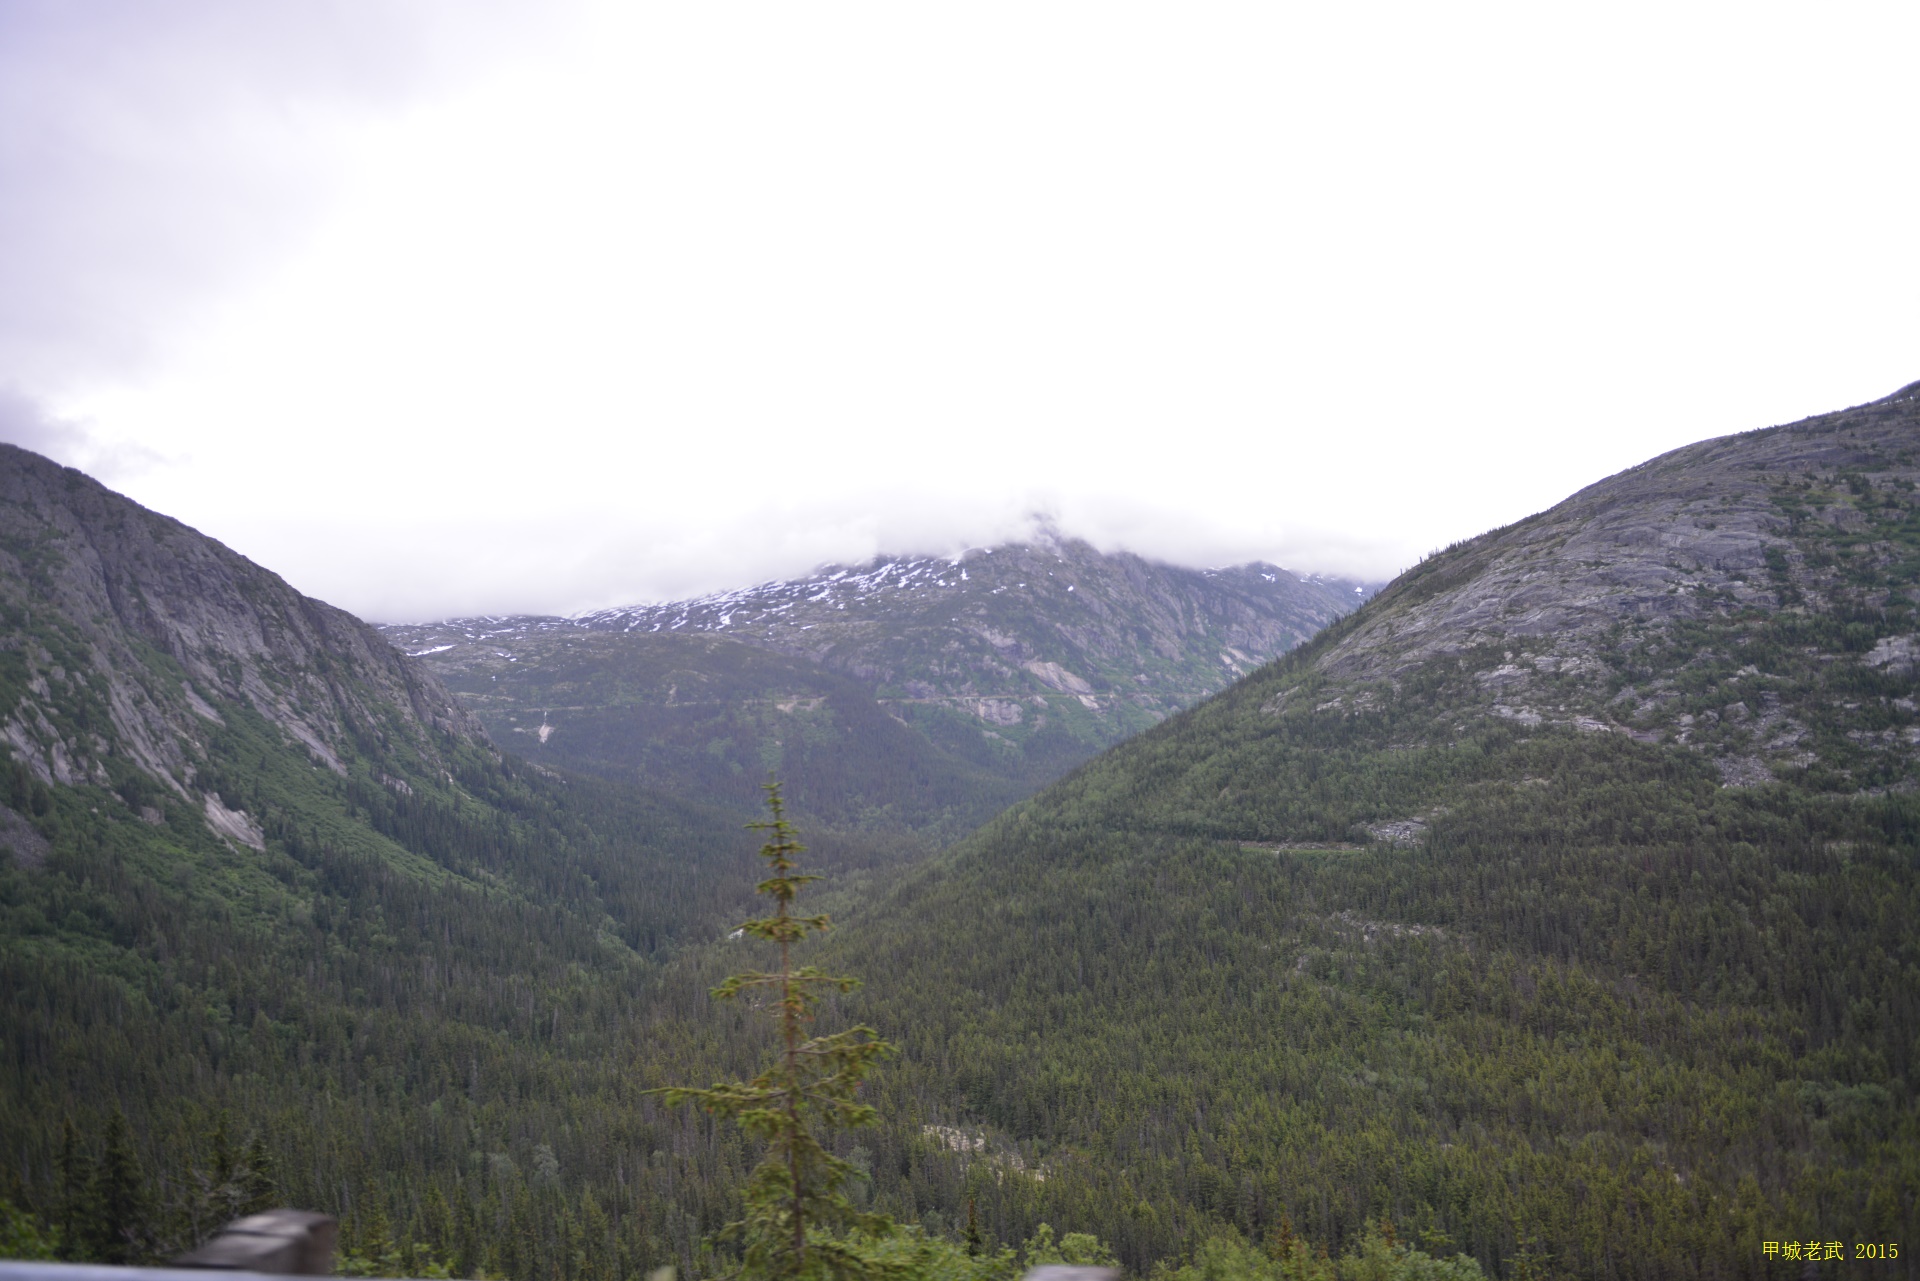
117, 1227
223, 1160
75, 1172
220, 1191
794, 1196
259, 1191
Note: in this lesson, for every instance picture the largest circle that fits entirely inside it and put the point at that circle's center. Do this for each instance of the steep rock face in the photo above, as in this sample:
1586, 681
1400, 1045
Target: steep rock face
1727, 595
920, 691
124, 628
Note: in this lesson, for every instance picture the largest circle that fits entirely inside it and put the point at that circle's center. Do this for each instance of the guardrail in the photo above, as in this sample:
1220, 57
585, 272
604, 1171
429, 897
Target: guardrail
28, 1270
33, 1270
274, 1243
281, 1243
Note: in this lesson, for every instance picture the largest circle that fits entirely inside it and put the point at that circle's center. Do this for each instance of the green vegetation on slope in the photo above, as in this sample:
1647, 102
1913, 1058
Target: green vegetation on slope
711, 717
406, 974
1558, 905
1618, 1011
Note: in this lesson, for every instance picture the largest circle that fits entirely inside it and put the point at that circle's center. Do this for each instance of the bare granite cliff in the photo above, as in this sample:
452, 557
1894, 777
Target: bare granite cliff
125, 633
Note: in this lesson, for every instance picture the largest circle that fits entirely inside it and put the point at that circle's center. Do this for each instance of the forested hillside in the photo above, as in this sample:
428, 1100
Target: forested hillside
1558, 904
910, 697
255, 865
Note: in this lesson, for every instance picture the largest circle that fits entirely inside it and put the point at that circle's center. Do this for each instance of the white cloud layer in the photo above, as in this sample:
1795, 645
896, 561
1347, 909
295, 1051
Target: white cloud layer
646, 300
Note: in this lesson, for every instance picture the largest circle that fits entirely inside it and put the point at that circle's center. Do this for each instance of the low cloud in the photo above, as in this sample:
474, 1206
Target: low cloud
30, 424
681, 300
27, 423
389, 565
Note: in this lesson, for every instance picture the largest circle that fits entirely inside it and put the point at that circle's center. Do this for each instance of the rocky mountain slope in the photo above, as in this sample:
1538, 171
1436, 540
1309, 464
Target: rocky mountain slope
165, 679
125, 629
910, 691
1742, 596
1557, 905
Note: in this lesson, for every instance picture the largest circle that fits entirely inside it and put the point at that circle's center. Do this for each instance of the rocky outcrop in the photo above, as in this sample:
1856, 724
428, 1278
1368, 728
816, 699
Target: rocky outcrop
125, 632
1727, 596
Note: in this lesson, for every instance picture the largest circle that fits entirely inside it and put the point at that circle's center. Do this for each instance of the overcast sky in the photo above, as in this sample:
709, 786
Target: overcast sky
460, 306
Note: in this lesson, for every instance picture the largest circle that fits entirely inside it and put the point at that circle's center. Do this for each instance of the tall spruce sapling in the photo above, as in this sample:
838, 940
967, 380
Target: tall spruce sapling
795, 1203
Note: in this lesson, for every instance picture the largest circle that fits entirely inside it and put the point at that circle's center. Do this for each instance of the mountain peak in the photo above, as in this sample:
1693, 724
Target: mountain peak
991, 670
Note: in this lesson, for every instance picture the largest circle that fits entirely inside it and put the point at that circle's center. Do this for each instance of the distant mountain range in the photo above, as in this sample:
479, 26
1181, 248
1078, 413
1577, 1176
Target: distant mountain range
909, 693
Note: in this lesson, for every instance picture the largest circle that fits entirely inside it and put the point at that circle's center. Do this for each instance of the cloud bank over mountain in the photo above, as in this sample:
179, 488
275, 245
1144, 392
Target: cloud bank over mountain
541, 307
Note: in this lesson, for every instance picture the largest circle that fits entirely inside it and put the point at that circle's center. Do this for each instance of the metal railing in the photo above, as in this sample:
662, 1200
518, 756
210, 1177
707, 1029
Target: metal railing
32, 1270
280, 1243
35, 1270
274, 1243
